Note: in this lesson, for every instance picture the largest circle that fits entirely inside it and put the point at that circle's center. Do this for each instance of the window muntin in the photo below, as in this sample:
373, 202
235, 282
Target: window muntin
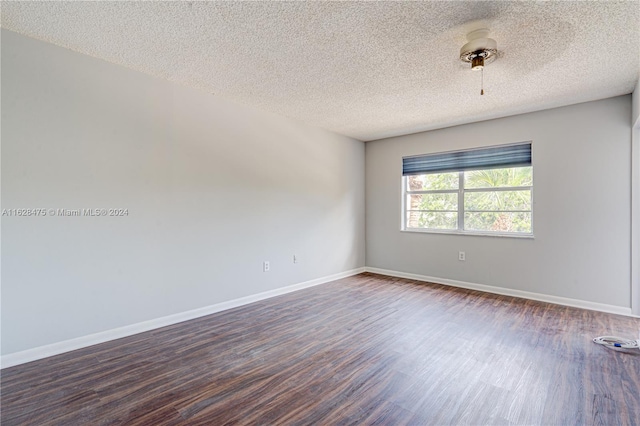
495, 201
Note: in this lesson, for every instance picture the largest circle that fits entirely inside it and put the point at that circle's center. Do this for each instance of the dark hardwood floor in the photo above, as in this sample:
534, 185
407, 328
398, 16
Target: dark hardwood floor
363, 350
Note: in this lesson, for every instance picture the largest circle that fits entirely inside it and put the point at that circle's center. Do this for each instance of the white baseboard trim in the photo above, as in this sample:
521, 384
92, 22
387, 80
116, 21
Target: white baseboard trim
612, 309
40, 352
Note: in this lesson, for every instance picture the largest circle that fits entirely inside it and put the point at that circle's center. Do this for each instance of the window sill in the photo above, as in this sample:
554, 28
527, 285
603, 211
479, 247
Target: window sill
469, 233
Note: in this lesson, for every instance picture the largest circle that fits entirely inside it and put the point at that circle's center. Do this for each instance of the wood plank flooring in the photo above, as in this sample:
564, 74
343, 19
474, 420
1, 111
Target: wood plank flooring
363, 350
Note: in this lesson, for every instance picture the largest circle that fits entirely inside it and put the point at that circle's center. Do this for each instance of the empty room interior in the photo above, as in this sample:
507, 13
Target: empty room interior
274, 213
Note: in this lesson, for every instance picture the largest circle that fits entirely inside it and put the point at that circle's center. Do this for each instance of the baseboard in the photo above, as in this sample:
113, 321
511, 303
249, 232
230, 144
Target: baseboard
612, 309
40, 352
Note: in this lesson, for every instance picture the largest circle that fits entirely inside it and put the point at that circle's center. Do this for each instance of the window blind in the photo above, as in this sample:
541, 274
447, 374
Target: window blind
474, 159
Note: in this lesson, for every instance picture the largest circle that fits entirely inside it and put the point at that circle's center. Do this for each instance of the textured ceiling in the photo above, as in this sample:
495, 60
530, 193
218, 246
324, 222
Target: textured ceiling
364, 69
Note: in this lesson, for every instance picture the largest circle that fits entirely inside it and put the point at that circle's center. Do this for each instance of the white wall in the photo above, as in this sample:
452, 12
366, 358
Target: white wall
212, 189
635, 197
582, 175
635, 101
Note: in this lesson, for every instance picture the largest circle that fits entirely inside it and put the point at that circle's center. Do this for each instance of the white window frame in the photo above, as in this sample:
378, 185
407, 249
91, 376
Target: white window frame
461, 211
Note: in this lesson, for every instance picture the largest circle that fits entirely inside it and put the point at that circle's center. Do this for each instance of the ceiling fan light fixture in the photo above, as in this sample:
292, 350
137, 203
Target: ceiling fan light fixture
479, 50
479, 45
477, 63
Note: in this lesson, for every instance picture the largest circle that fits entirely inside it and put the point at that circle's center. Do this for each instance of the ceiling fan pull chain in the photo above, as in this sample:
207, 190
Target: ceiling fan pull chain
482, 82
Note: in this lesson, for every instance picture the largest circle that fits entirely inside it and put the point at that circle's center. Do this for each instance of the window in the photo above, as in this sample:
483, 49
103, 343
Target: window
486, 191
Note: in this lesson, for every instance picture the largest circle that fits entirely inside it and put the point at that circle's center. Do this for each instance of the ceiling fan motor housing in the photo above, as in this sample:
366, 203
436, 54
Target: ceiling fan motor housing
479, 50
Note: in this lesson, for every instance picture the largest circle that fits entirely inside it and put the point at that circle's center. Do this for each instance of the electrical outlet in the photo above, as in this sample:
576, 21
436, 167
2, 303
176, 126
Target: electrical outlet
266, 266
295, 259
461, 255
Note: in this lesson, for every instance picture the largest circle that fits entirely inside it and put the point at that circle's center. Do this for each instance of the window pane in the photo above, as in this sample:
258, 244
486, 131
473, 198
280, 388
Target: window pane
514, 176
432, 182
498, 200
432, 201
498, 222
432, 220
